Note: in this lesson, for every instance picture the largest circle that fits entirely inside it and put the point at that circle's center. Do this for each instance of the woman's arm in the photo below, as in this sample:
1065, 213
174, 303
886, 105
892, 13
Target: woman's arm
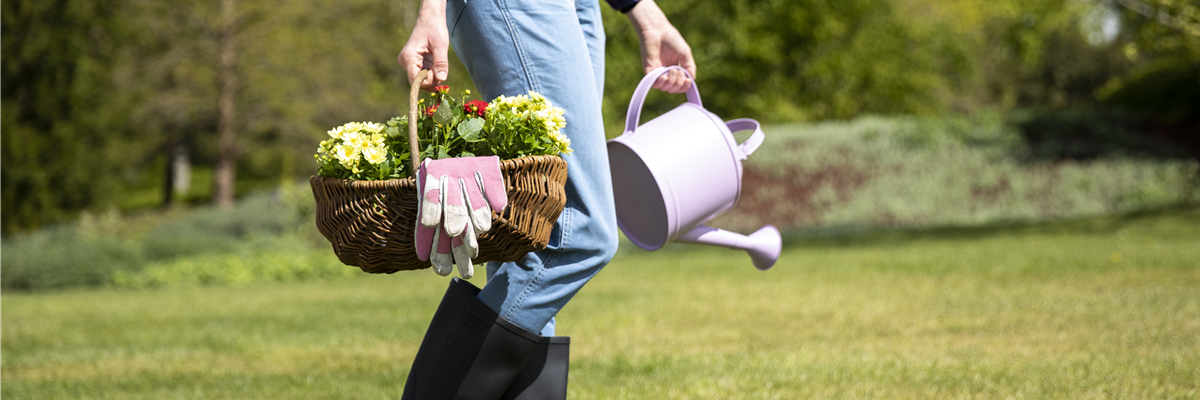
662, 45
428, 45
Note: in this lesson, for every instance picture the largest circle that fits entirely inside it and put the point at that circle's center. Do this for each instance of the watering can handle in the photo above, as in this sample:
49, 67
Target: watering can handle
755, 139
643, 88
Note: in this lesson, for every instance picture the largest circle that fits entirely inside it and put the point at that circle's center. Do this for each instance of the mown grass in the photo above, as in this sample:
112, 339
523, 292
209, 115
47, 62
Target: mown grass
1087, 309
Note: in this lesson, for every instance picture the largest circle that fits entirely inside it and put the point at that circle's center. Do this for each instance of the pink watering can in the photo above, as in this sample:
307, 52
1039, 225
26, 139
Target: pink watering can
680, 170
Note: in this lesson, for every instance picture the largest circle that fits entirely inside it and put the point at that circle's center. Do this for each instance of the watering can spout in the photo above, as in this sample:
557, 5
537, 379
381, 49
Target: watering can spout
763, 245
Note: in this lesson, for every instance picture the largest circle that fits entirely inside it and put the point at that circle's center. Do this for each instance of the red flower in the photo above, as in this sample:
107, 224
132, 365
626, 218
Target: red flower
443, 89
430, 110
477, 107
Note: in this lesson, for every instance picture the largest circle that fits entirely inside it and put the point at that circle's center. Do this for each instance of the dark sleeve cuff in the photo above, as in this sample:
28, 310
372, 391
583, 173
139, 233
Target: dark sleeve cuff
622, 5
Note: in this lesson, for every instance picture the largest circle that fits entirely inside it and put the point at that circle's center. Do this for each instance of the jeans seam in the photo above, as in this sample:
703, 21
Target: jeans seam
461, 11
531, 83
519, 46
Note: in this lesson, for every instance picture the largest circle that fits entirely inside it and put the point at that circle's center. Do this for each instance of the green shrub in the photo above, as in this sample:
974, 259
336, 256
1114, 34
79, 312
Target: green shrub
62, 257
213, 230
282, 259
92, 252
904, 171
1084, 133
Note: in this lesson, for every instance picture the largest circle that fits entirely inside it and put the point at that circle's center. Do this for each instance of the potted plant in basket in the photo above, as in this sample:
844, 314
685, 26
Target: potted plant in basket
367, 200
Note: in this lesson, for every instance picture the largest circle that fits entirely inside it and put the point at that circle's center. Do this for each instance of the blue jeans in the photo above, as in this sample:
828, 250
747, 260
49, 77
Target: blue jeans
554, 47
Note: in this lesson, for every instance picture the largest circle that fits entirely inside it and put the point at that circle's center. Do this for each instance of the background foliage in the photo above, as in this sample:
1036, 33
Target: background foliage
838, 177
98, 96
787, 60
266, 237
915, 171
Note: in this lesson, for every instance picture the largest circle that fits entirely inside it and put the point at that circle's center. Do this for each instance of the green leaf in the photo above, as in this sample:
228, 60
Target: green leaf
443, 115
466, 154
442, 154
385, 168
471, 129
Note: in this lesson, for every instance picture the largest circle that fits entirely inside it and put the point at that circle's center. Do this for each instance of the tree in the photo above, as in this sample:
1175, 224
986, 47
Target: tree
66, 144
794, 60
1162, 40
96, 95
254, 85
797, 60
227, 88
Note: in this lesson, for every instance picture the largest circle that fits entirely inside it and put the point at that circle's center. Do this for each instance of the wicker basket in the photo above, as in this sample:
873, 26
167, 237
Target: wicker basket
371, 223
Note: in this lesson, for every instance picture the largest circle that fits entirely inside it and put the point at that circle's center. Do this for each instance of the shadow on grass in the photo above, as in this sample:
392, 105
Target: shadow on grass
851, 236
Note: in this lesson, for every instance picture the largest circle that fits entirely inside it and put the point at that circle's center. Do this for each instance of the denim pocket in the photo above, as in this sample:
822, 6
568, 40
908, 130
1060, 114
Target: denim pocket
454, 11
556, 236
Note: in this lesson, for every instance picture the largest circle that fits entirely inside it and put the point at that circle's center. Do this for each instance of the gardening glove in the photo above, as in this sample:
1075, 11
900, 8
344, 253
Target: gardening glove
457, 196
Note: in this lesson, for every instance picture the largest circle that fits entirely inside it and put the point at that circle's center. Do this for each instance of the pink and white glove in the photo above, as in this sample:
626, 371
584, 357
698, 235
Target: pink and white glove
457, 196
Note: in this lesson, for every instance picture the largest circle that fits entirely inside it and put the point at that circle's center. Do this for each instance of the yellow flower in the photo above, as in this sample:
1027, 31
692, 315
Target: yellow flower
377, 139
375, 154
347, 154
564, 142
546, 118
373, 127
336, 133
517, 101
355, 138
536, 96
557, 115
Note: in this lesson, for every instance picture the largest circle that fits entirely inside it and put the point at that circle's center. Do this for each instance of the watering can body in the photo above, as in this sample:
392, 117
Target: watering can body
678, 171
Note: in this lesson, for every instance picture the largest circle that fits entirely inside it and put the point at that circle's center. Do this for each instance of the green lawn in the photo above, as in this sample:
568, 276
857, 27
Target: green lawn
1099, 308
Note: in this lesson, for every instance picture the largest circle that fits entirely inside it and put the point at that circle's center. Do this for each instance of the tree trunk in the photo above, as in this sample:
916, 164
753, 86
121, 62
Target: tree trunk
181, 169
226, 170
179, 173
169, 185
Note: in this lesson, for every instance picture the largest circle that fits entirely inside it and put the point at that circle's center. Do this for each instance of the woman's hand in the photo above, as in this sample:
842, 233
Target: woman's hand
428, 45
662, 45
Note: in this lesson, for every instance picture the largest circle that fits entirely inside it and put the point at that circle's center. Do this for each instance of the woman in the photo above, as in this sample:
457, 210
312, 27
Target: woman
481, 341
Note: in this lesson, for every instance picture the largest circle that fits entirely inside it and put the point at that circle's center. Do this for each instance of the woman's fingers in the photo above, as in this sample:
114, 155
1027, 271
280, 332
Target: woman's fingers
674, 81
428, 47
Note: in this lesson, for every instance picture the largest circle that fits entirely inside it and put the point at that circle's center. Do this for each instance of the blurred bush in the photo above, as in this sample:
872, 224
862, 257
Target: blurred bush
804, 60
99, 95
908, 171
1090, 132
1169, 88
267, 237
62, 256
212, 230
261, 259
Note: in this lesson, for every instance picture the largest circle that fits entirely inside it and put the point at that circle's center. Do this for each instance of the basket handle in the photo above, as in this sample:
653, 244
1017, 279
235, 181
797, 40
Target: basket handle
413, 150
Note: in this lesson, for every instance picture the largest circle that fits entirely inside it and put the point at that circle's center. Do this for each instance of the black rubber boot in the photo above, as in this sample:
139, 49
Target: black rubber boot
545, 374
469, 352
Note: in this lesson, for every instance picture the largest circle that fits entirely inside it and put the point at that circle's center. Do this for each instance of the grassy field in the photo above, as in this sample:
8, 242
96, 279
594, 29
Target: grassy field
1087, 309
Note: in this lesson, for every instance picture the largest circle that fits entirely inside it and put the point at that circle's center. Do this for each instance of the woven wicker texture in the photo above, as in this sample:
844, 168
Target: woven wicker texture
371, 223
